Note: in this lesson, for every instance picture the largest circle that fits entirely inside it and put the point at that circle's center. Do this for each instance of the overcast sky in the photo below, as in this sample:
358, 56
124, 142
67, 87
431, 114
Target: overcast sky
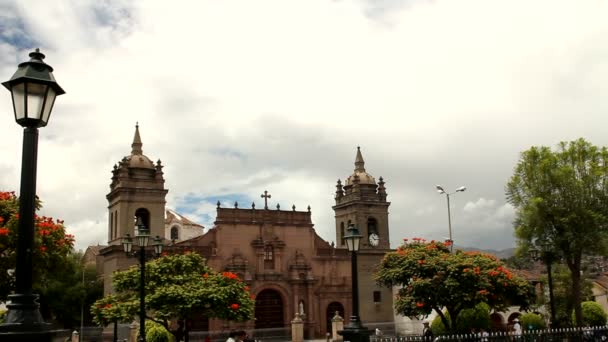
238, 97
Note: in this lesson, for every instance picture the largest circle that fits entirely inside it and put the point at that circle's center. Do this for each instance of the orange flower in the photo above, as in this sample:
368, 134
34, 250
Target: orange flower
230, 275
234, 306
421, 261
3, 231
465, 270
419, 305
42, 249
206, 275
107, 306
246, 288
483, 292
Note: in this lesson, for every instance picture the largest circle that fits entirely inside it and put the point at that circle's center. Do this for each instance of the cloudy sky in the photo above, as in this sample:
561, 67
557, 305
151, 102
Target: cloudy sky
238, 97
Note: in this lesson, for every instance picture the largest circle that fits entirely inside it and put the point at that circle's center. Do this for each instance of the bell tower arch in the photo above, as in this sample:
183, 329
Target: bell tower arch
137, 190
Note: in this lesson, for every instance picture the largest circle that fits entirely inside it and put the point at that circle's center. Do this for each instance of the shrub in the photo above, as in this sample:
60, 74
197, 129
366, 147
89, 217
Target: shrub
2, 316
474, 318
532, 321
593, 314
157, 333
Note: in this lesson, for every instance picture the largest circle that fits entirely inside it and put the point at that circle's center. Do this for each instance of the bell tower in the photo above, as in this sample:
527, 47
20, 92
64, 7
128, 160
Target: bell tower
362, 202
137, 190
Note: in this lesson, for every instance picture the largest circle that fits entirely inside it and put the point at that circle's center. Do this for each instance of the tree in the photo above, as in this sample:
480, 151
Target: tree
562, 287
431, 279
475, 318
561, 204
51, 245
178, 288
64, 295
57, 272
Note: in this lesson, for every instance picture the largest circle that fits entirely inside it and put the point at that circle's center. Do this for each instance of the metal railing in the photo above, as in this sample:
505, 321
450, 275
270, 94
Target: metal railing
582, 334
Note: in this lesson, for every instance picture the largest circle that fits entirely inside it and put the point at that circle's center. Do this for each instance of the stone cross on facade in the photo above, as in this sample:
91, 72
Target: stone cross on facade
265, 196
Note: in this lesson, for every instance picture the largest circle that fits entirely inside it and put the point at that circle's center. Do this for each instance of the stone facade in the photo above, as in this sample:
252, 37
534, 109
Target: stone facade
289, 268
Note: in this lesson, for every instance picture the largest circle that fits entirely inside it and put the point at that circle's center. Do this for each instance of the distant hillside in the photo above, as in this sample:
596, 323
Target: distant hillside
501, 254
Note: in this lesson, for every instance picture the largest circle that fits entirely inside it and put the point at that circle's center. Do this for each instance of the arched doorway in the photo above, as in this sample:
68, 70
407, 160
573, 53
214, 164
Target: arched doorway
331, 312
268, 310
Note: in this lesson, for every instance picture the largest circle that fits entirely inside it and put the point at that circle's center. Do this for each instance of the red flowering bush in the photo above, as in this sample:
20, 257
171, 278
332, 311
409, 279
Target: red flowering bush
431, 279
51, 243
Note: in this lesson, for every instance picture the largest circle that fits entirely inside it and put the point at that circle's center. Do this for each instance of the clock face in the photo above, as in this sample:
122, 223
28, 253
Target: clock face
374, 239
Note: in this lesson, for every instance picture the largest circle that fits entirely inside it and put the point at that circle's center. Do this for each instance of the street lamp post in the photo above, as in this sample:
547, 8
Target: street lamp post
546, 256
143, 236
33, 89
354, 331
441, 191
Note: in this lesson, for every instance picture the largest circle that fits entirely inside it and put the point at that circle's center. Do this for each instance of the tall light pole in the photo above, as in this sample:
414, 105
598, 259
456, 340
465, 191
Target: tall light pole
441, 191
354, 331
33, 89
143, 236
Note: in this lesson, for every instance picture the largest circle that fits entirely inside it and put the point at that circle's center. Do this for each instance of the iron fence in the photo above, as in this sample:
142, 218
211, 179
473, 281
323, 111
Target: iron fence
585, 334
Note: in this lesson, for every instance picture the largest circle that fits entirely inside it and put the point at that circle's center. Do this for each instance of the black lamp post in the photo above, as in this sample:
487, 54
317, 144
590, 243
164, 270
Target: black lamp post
354, 331
546, 256
143, 236
33, 89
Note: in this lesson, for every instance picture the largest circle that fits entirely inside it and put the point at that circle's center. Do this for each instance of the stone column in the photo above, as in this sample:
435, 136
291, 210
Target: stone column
134, 329
297, 329
337, 324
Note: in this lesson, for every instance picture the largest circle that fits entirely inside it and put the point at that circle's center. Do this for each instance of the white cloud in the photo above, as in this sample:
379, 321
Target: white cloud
240, 97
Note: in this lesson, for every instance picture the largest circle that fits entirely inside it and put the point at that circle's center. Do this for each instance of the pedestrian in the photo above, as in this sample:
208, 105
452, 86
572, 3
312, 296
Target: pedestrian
427, 333
378, 332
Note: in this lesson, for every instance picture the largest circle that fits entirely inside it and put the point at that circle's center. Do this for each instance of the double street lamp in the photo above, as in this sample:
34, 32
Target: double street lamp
547, 257
441, 191
354, 331
33, 89
143, 237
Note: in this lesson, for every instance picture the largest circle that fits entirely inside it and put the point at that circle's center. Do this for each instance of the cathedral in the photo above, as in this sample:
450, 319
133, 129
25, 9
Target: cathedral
288, 267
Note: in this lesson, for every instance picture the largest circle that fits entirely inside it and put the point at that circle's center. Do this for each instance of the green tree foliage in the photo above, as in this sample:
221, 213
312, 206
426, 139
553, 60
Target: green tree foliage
532, 321
66, 295
157, 333
562, 289
469, 319
431, 278
57, 275
593, 314
561, 202
51, 245
178, 288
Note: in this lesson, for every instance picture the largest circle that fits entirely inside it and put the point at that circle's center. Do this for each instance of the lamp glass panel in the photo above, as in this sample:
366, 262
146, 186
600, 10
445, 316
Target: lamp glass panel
349, 243
158, 247
127, 245
18, 92
48, 105
36, 93
142, 240
356, 244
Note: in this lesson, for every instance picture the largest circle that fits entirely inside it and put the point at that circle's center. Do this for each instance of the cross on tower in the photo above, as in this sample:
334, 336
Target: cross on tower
265, 196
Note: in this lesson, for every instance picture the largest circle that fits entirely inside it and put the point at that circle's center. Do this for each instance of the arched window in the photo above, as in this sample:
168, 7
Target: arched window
372, 226
174, 233
341, 242
268, 257
144, 214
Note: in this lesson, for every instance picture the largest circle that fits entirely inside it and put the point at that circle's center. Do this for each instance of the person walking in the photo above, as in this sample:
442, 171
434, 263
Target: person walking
427, 333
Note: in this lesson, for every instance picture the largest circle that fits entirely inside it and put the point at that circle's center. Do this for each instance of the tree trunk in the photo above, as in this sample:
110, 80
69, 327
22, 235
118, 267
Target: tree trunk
575, 273
444, 320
